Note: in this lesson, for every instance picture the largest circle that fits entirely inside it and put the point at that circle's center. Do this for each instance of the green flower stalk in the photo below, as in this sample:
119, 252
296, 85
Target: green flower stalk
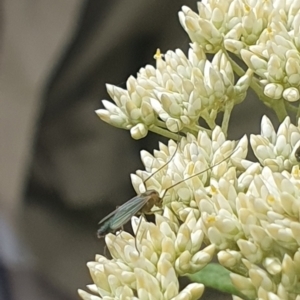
220, 204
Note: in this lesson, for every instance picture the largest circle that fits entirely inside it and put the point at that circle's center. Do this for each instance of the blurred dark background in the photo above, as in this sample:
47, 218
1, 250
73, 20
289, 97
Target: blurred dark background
62, 168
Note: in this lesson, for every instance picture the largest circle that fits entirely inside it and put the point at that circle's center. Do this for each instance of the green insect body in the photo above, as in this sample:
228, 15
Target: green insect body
140, 204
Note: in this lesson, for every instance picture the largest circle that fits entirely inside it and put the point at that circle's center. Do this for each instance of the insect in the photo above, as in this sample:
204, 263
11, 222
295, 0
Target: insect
141, 204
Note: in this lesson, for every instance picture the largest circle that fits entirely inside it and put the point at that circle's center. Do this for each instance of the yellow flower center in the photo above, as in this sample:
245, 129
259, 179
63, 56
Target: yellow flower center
158, 54
211, 219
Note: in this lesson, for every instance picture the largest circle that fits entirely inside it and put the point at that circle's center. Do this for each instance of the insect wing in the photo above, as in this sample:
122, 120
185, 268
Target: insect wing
109, 216
126, 211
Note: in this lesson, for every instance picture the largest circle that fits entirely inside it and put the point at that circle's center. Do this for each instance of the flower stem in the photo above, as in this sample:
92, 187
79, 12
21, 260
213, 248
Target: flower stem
290, 107
209, 118
163, 132
298, 113
160, 124
226, 117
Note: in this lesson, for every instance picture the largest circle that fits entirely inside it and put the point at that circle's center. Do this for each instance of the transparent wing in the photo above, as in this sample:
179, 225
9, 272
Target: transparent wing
124, 213
109, 215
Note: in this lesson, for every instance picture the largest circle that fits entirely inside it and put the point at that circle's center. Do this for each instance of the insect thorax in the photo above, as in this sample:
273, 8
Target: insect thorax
154, 199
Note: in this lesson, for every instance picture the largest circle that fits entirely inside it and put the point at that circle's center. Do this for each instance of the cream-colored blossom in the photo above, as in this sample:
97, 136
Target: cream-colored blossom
176, 239
164, 252
262, 221
260, 283
265, 34
271, 203
179, 91
233, 24
192, 156
269, 215
276, 149
229, 258
248, 212
276, 59
212, 193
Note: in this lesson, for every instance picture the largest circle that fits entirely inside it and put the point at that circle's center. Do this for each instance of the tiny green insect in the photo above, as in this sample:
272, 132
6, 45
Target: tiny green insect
141, 204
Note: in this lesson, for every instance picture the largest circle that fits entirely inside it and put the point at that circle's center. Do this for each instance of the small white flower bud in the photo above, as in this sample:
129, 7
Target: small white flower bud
291, 94
273, 90
139, 131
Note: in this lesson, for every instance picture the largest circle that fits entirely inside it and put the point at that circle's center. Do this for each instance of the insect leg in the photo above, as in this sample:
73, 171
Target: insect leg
137, 230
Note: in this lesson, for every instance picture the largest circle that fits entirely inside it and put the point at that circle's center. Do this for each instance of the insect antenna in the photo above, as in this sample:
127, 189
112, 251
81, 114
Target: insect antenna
197, 174
165, 164
172, 156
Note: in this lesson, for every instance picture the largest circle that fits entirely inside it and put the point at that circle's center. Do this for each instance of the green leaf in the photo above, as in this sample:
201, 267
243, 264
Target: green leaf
216, 277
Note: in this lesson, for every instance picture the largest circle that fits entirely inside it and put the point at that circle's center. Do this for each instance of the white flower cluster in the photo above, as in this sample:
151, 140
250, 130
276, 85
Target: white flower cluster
165, 251
175, 94
194, 155
277, 150
247, 212
252, 208
233, 24
265, 34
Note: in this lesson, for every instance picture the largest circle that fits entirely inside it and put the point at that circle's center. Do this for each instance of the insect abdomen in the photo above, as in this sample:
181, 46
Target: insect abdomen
104, 229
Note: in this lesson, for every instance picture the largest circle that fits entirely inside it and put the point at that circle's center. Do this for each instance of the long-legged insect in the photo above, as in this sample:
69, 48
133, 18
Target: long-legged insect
141, 204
